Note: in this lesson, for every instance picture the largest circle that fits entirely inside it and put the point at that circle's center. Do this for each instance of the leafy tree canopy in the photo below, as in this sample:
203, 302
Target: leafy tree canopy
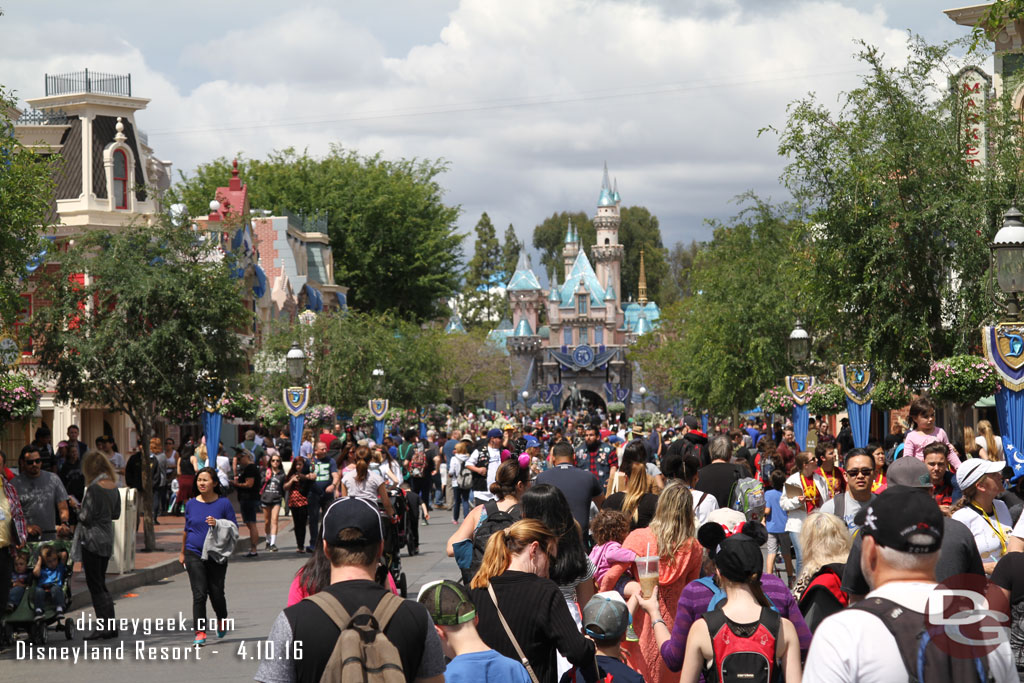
394, 240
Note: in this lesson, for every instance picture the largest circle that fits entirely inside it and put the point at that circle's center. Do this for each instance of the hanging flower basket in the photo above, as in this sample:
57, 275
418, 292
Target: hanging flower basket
962, 379
362, 416
890, 394
616, 407
321, 415
826, 399
539, 409
239, 405
272, 413
776, 400
19, 398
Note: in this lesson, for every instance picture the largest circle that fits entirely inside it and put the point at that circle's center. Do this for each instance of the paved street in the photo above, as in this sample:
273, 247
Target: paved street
256, 591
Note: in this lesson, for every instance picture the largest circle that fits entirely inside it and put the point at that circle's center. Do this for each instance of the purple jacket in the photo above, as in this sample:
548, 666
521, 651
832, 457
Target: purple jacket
694, 601
604, 556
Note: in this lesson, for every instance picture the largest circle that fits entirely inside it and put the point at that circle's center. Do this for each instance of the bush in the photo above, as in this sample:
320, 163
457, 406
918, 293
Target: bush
616, 407
890, 394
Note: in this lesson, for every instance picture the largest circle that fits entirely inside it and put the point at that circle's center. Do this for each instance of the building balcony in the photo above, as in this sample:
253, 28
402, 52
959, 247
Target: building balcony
89, 82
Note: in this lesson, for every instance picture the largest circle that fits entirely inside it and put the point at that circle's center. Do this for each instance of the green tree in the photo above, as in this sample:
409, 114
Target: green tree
549, 238
342, 352
901, 220
724, 344
640, 230
485, 271
680, 262
510, 249
152, 331
26, 196
469, 362
394, 240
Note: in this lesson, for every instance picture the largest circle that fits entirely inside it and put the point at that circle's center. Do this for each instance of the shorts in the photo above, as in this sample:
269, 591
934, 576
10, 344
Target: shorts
250, 509
778, 540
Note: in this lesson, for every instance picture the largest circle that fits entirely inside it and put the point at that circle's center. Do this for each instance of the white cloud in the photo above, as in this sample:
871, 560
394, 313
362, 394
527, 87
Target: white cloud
526, 99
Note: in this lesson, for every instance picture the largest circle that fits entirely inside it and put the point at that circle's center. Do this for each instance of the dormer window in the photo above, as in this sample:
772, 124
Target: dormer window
120, 180
581, 304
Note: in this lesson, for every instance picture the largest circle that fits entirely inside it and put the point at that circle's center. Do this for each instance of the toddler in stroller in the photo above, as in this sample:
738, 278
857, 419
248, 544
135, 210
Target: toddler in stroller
43, 600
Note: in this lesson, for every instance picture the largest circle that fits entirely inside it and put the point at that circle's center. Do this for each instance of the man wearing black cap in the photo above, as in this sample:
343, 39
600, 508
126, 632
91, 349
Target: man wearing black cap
958, 554
902, 532
353, 543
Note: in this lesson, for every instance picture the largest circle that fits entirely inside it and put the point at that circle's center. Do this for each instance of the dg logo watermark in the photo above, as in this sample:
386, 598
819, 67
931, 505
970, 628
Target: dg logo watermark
968, 616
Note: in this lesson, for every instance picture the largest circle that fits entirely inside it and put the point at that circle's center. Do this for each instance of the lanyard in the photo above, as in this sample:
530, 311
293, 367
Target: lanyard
810, 492
997, 528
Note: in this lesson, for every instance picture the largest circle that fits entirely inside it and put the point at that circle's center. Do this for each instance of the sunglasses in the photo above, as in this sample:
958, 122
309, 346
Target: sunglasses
863, 471
33, 462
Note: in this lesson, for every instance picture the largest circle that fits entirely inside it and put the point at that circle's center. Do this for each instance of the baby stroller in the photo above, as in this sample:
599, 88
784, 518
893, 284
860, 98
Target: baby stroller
394, 540
23, 617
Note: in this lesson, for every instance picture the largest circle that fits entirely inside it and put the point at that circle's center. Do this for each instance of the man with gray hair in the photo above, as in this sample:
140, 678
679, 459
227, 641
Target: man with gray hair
718, 477
880, 639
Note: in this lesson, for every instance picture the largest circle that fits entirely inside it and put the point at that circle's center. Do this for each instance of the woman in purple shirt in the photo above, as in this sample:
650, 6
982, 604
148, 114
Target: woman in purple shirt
205, 576
694, 602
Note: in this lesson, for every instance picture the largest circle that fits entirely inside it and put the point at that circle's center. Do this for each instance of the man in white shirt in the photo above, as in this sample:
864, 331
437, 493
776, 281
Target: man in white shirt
476, 465
902, 531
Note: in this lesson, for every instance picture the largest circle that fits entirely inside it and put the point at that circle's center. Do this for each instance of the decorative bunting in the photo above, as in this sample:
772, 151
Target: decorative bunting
798, 386
296, 399
1004, 348
378, 408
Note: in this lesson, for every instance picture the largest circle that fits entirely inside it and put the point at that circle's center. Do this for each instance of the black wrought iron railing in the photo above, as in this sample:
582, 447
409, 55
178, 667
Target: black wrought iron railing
42, 117
86, 81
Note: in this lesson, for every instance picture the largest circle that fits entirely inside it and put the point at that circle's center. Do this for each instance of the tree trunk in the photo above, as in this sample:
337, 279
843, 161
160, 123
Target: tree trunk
149, 533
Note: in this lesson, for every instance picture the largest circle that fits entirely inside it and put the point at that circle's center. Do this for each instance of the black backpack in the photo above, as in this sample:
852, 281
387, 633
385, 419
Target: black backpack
496, 521
924, 661
697, 450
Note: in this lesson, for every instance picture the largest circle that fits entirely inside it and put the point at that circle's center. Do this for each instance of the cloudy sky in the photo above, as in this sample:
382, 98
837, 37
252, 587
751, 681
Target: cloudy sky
525, 98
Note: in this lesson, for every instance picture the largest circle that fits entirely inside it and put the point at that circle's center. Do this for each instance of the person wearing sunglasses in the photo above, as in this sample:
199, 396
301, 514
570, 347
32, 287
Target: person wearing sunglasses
271, 495
860, 472
43, 497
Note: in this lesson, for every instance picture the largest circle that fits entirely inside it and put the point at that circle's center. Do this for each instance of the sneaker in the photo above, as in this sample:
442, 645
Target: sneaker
631, 635
38, 614
221, 632
60, 611
200, 639
252, 553
266, 546
273, 548
309, 548
423, 523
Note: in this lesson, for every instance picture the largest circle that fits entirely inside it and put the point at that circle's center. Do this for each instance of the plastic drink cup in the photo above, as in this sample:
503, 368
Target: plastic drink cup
647, 568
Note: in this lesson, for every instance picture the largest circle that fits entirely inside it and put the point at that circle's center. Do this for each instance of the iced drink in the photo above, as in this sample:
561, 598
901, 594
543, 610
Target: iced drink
647, 567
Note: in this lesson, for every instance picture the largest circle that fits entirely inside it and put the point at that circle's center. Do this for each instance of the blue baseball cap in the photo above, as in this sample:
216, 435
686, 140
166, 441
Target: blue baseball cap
495, 434
531, 441
615, 438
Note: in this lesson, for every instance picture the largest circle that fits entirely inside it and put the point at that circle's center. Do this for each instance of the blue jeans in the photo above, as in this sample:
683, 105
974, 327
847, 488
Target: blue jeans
55, 592
794, 537
460, 499
17, 593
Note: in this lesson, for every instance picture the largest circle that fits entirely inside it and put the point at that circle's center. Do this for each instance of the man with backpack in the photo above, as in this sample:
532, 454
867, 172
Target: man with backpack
859, 473
483, 463
719, 477
355, 629
886, 637
579, 486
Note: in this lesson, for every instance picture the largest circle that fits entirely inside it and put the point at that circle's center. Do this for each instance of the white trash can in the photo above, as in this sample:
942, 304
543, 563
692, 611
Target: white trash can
123, 558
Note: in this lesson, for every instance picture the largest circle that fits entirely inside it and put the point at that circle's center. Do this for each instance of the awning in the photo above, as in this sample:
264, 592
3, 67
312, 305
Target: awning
260, 288
987, 402
314, 302
342, 300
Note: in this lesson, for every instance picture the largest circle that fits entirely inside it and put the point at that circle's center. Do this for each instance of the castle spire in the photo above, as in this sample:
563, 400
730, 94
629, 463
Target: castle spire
606, 196
642, 294
568, 233
605, 185
615, 191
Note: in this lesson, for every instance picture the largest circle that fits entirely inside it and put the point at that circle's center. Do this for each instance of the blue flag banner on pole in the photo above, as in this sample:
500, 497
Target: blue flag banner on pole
378, 408
378, 431
423, 430
858, 383
799, 387
296, 423
801, 416
1004, 348
211, 430
704, 423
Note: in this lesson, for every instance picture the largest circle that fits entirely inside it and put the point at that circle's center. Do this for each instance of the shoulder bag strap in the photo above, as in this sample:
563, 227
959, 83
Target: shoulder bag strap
840, 506
508, 632
386, 609
331, 607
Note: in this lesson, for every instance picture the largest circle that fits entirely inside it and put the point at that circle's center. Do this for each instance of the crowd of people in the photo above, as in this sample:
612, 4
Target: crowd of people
583, 548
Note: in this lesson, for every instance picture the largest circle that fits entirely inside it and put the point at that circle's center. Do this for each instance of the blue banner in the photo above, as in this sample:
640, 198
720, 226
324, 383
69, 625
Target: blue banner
704, 423
378, 431
295, 425
1010, 408
211, 430
800, 417
860, 421
423, 431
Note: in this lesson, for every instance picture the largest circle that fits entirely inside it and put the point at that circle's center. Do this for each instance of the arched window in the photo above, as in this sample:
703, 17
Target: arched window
120, 180
607, 241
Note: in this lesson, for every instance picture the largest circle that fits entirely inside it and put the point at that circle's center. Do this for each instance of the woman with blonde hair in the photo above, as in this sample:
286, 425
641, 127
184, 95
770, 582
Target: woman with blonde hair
671, 536
990, 445
534, 619
638, 501
94, 537
826, 541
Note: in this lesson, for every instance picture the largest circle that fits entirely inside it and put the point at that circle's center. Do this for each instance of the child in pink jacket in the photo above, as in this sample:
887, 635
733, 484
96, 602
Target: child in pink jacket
609, 529
922, 416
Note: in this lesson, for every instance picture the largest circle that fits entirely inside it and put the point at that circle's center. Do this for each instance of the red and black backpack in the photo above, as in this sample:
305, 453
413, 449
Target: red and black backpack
743, 653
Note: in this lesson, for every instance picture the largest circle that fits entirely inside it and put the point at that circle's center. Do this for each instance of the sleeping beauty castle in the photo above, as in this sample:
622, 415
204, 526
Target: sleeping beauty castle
567, 344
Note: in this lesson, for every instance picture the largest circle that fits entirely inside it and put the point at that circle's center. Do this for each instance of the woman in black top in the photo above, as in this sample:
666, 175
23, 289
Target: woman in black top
637, 502
94, 537
515, 568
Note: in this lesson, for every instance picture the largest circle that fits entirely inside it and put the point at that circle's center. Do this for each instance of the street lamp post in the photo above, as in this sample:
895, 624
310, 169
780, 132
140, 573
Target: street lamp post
525, 395
296, 397
643, 398
1007, 260
798, 346
378, 406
